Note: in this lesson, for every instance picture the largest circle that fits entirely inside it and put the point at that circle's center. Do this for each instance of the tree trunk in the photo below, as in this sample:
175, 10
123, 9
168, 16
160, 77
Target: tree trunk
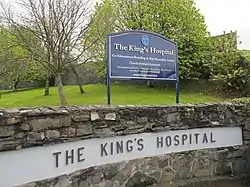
46, 91
14, 85
61, 90
78, 81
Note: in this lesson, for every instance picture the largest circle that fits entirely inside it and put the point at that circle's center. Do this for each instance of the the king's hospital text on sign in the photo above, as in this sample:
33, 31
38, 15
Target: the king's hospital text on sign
142, 55
33, 164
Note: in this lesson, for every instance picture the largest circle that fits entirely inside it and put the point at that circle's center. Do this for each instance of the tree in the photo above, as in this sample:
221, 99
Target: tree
229, 66
178, 20
103, 21
16, 66
59, 26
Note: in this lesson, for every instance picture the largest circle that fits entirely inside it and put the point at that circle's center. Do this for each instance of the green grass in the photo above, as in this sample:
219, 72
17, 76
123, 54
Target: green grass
96, 94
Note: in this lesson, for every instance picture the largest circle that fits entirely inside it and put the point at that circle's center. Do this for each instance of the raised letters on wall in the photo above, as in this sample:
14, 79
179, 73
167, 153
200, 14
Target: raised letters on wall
38, 163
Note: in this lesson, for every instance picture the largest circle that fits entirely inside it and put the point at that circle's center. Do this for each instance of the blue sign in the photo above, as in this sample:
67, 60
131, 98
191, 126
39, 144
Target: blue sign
141, 55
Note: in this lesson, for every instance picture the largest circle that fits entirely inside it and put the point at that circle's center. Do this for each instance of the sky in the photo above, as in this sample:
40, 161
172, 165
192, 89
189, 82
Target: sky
226, 15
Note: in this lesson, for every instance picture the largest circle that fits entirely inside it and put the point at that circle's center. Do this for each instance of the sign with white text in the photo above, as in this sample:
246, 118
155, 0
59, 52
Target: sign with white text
38, 163
141, 55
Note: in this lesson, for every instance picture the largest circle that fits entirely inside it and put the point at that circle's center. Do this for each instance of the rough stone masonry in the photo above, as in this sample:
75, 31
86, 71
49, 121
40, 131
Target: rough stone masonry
30, 127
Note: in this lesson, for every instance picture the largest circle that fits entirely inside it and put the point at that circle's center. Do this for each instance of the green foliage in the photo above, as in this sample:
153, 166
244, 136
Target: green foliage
178, 20
241, 100
102, 23
239, 79
15, 62
246, 53
229, 65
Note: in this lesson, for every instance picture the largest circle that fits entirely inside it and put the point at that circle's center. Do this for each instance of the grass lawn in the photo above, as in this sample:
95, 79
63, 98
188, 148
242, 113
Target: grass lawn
96, 94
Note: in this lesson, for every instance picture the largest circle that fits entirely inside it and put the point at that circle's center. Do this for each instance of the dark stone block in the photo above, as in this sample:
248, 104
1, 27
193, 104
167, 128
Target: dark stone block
223, 168
110, 171
140, 180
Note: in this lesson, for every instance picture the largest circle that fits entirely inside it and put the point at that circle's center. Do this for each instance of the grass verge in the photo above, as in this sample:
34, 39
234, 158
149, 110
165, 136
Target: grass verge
96, 94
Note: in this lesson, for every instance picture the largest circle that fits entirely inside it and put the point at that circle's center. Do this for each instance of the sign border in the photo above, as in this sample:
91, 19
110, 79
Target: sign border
111, 35
108, 62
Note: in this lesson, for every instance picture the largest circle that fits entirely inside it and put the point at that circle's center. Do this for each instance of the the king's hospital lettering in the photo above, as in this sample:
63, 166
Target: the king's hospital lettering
45, 162
73, 156
142, 50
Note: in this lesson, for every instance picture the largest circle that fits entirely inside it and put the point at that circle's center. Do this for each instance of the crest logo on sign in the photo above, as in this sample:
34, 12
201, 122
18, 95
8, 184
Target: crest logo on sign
145, 40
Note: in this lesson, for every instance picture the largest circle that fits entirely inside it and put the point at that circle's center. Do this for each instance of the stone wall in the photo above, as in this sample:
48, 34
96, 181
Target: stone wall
31, 127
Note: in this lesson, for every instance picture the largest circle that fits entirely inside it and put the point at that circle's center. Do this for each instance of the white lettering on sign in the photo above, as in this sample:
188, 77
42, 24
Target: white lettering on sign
142, 50
38, 163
